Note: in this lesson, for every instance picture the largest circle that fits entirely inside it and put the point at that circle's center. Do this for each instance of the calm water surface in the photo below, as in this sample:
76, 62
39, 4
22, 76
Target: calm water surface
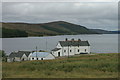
106, 43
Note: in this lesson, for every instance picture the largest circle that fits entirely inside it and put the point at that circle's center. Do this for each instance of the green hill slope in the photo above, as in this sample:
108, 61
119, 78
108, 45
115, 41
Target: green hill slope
49, 29
8, 33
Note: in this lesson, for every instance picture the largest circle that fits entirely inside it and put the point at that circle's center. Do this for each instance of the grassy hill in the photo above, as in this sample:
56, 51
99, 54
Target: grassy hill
83, 66
49, 29
8, 33
104, 31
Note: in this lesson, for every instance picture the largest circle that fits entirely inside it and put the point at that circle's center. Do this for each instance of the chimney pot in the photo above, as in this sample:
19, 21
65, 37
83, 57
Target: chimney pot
72, 39
66, 39
79, 39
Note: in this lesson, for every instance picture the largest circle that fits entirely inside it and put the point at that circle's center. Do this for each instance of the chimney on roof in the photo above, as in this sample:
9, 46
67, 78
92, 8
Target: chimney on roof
79, 39
72, 39
66, 39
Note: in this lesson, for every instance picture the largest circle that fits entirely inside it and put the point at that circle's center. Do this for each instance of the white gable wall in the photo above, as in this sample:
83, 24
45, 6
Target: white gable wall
55, 53
84, 49
29, 57
58, 46
16, 59
24, 57
9, 59
50, 56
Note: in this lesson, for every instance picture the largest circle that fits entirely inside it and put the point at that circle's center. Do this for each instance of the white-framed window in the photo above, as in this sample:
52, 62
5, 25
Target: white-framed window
32, 58
64, 50
85, 50
37, 58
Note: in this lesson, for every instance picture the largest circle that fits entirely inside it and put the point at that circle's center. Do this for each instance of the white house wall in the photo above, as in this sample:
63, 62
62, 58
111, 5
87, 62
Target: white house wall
16, 59
34, 58
82, 49
58, 46
66, 51
29, 57
24, 57
10, 59
50, 56
55, 53
74, 50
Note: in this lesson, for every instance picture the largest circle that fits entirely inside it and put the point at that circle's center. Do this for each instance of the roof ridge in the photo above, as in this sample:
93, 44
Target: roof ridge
74, 43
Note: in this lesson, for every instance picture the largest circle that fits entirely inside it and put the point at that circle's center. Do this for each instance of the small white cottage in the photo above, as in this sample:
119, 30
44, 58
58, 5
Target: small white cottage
41, 56
71, 47
19, 56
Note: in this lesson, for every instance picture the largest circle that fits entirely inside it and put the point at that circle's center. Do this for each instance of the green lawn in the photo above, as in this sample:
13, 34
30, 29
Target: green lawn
84, 66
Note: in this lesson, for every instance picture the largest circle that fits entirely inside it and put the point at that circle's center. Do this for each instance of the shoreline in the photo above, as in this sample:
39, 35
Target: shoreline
55, 36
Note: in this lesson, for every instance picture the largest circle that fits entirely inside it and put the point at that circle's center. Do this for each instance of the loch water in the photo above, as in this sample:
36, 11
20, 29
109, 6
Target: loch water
103, 43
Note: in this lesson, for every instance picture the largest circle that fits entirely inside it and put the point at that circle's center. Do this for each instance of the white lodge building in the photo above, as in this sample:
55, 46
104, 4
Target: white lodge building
71, 47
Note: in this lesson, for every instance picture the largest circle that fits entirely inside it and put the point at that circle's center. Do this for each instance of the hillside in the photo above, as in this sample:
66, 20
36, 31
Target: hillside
104, 31
8, 33
49, 29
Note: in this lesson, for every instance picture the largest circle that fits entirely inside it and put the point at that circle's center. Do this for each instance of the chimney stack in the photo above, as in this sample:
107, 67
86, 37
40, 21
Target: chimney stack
79, 39
72, 39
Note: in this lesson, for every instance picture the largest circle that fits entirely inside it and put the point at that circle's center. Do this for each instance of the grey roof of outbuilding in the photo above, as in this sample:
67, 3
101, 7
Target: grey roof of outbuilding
56, 49
74, 43
19, 54
25, 52
13, 54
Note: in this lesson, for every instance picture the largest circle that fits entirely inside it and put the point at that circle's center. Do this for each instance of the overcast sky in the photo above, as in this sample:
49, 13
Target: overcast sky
100, 15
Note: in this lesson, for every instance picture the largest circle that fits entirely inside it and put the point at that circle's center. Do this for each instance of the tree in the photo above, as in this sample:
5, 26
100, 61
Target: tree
3, 55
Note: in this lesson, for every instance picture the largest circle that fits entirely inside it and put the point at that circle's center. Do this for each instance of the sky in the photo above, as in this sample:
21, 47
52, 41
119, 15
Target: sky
95, 15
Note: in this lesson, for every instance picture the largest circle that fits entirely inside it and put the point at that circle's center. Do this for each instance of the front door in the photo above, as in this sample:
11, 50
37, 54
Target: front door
23, 59
58, 54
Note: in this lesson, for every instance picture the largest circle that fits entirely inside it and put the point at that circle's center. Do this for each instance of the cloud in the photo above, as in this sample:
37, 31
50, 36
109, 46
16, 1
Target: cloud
93, 15
60, 0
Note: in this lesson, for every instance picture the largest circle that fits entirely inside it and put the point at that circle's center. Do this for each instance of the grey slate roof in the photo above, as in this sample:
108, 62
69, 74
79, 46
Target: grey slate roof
13, 54
40, 54
74, 43
19, 54
56, 49
25, 52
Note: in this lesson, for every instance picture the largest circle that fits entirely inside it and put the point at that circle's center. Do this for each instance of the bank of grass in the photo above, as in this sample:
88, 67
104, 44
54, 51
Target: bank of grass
84, 66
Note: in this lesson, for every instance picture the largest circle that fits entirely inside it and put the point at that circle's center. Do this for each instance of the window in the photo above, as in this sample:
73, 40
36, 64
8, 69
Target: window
78, 50
85, 50
32, 58
37, 58
41, 58
70, 50
64, 50
23, 59
13, 59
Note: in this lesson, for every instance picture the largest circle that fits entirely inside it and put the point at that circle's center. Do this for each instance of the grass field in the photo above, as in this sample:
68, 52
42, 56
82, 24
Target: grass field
83, 66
